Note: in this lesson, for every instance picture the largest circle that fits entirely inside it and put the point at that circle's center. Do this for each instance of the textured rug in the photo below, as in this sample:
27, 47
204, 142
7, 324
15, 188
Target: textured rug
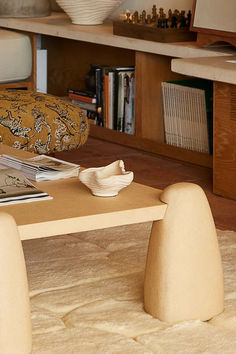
86, 294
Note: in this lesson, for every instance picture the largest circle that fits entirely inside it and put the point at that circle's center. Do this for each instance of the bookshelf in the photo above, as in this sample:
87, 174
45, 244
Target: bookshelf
71, 50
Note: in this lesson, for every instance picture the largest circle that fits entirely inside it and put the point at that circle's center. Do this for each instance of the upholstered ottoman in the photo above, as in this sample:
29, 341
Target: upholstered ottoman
40, 123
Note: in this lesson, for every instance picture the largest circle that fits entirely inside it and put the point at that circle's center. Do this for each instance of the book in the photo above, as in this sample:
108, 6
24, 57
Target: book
42, 167
84, 93
105, 101
75, 96
117, 102
129, 123
123, 86
99, 103
85, 105
15, 188
111, 101
120, 101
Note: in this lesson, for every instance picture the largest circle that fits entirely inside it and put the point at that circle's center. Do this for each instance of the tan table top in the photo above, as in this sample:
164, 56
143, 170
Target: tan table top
221, 68
74, 209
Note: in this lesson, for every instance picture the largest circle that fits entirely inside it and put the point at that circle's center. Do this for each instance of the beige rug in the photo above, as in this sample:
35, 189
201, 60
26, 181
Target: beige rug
86, 293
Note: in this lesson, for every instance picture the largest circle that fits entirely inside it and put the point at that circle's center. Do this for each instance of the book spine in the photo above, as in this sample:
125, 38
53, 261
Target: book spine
99, 103
85, 105
83, 93
120, 103
106, 99
74, 96
129, 126
111, 99
117, 72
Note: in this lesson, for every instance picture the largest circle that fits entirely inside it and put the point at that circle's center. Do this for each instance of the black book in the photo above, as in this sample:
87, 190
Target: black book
94, 78
117, 70
84, 93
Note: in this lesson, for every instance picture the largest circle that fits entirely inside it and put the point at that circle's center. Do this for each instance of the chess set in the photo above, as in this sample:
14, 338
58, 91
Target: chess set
160, 27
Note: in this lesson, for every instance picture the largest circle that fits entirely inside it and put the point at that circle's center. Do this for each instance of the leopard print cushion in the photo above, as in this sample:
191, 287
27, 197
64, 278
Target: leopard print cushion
40, 123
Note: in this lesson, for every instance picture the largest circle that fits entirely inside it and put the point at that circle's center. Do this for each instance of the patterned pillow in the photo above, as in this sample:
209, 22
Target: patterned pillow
41, 123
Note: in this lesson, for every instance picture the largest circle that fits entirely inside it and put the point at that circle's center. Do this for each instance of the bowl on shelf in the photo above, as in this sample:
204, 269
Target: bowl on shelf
88, 12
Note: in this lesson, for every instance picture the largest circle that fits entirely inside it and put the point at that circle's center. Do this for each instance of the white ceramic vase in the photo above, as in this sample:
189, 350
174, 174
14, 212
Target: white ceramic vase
88, 12
106, 181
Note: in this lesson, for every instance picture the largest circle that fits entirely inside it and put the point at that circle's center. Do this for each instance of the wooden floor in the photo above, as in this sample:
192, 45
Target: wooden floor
157, 172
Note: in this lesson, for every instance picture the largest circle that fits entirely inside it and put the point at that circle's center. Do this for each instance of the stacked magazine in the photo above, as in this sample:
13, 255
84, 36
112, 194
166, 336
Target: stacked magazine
15, 188
42, 167
187, 107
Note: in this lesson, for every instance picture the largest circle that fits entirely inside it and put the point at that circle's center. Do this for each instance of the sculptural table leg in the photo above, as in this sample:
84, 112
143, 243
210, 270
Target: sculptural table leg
15, 322
183, 277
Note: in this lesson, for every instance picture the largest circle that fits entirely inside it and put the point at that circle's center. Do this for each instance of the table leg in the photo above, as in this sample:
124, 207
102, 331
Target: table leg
183, 277
15, 321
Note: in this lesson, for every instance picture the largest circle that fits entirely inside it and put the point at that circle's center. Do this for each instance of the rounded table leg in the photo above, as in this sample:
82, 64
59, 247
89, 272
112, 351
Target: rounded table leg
15, 321
183, 277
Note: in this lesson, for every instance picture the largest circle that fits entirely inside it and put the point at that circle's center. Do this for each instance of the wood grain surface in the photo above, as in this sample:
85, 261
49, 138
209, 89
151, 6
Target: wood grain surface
150, 71
224, 162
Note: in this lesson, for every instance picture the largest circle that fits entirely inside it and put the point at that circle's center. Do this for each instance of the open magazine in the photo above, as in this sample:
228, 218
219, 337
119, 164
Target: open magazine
15, 188
42, 167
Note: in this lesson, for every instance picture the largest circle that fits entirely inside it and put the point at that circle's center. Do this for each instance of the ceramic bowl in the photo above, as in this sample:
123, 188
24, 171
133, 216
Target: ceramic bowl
106, 181
88, 12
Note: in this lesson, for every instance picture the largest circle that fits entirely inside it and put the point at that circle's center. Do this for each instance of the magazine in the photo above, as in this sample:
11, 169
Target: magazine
15, 188
42, 167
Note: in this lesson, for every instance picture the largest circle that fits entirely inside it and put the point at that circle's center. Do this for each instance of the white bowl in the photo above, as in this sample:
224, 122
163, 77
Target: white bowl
106, 181
88, 12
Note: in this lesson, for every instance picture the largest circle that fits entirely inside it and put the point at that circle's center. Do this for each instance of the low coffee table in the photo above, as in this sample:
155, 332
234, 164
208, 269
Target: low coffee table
183, 251
74, 209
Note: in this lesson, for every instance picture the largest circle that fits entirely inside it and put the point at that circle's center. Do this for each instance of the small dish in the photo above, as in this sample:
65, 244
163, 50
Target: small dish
107, 181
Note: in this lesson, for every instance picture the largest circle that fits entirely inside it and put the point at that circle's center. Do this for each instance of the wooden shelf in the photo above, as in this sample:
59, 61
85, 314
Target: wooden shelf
150, 70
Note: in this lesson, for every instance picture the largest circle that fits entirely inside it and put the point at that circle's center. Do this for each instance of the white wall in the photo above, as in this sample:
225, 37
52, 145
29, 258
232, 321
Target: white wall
140, 5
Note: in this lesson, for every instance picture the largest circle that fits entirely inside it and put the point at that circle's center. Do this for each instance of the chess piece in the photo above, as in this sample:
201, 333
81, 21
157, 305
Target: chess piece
173, 21
165, 23
135, 17
159, 23
149, 19
189, 15
128, 17
182, 20
143, 20
161, 12
161, 19
154, 13
176, 18
169, 18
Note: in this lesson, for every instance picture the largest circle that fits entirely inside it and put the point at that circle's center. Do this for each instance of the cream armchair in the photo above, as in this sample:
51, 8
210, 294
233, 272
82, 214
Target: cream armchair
15, 321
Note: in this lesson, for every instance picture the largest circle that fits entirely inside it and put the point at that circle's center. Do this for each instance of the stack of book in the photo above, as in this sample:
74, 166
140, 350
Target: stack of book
86, 100
187, 106
42, 167
15, 188
113, 97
